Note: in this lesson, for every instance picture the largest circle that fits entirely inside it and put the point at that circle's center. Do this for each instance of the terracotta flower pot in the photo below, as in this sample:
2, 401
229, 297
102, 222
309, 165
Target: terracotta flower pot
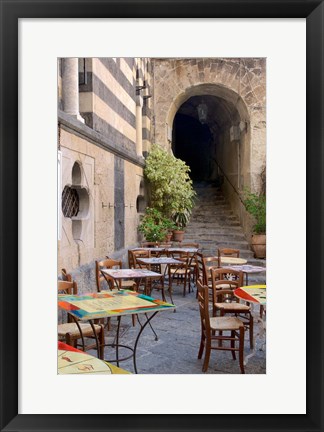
258, 243
178, 235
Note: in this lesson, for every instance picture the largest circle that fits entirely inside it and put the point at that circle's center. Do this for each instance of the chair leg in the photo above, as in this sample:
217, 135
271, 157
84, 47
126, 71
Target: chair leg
251, 332
170, 294
101, 343
134, 317
241, 350
207, 355
233, 345
202, 345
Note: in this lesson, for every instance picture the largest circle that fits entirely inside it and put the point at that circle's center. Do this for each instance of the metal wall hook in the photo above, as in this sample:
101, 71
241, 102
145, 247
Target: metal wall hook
103, 205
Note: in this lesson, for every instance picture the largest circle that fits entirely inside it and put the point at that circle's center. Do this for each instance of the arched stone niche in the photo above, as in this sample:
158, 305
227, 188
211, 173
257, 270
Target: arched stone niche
77, 185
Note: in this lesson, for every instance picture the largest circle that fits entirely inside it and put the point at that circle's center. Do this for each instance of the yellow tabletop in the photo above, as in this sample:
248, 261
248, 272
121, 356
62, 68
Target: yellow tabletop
232, 260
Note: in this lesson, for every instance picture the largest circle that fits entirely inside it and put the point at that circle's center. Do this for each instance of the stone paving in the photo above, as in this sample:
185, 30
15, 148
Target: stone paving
175, 351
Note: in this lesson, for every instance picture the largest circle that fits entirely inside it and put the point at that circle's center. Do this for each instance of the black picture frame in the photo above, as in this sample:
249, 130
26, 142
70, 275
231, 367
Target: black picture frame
11, 11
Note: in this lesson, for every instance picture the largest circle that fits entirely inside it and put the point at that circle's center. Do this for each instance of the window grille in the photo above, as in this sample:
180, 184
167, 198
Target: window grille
70, 202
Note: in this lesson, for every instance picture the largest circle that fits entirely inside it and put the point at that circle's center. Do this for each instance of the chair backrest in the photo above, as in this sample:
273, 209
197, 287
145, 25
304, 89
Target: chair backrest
200, 267
139, 254
208, 263
189, 245
67, 287
150, 244
66, 276
226, 276
220, 294
203, 303
228, 252
105, 264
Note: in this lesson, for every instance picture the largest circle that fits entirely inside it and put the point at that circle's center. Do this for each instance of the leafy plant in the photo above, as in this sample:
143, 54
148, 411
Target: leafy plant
171, 186
255, 204
154, 225
181, 218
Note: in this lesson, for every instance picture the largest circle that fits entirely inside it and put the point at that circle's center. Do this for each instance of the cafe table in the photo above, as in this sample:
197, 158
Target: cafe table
255, 294
246, 269
232, 260
71, 360
158, 261
93, 306
136, 274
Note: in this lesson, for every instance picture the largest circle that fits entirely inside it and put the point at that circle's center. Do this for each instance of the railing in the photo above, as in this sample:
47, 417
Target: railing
229, 181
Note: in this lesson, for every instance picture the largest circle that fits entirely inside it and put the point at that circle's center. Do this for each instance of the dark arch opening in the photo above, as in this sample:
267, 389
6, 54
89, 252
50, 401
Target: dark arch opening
192, 143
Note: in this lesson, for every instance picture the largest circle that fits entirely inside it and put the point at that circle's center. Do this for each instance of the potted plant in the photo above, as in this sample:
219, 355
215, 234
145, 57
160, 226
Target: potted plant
181, 219
154, 225
255, 204
170, 226
172, 192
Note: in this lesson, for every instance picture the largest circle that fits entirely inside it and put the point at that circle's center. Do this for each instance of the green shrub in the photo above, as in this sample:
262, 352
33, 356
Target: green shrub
154, 225
171, 185
255, 204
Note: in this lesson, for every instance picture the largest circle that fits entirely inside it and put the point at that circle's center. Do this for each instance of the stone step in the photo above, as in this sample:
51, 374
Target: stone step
208, 236
213, 225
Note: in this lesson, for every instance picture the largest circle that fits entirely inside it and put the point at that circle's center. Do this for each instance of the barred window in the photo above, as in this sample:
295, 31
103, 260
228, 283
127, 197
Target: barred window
70, 202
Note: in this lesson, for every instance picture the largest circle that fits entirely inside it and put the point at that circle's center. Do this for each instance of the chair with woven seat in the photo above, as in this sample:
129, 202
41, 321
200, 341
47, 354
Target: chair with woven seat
149, 284
110, 263
224, 282
179, 273
212, 329
73, 330
192, 261
208, 263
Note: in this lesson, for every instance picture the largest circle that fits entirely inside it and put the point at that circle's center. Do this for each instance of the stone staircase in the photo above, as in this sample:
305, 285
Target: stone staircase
214, 225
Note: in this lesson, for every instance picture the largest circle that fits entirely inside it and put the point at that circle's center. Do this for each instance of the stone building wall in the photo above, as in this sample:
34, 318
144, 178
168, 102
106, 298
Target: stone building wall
105, 153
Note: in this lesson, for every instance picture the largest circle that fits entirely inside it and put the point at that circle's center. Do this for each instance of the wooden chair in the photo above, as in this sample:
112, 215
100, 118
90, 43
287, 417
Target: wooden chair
66, 276
224, 281
179, 273
165, 252
150, 244
100, 277
149, 284
189, 245
228, 252
211, 326
74, 330
208, 263
192, 262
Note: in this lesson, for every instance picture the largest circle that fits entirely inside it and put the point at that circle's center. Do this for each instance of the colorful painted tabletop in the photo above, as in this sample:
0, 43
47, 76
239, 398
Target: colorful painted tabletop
71, 360
130, 273
252, 294
108, 304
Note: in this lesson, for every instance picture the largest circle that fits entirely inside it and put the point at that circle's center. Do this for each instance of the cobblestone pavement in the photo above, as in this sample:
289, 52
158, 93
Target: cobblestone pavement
176, 350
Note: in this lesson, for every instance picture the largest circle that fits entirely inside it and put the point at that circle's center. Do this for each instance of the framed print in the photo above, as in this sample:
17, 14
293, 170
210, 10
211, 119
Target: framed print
289, 40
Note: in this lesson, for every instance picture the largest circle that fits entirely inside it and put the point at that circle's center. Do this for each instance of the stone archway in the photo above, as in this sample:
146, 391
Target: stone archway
218, 144
238, 86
